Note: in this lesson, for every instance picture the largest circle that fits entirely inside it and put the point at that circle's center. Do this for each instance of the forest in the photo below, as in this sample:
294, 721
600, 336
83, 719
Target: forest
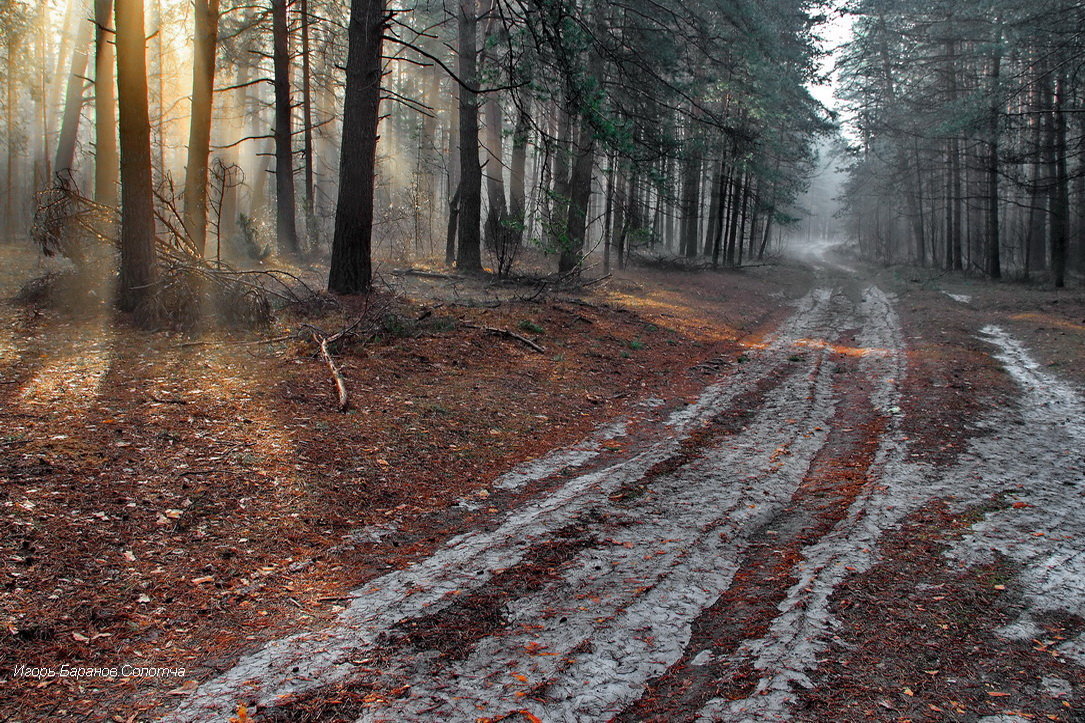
969, 136
580, 132
489, 361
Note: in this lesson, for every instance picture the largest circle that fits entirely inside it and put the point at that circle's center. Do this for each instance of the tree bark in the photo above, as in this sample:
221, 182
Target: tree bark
469, 251
106, 159
286, 223
307, 123
495, 174
994, 260
199, 128
351, 263
518, 166
73, 99
691, 189
137, 264
579, 197
1060, 197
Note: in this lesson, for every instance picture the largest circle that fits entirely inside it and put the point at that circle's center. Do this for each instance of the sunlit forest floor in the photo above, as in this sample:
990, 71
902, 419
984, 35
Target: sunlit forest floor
175, 500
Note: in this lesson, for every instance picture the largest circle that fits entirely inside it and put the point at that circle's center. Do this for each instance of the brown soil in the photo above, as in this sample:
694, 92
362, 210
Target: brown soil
916, 640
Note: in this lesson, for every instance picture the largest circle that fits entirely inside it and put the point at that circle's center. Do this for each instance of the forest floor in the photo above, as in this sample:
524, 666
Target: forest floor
787, 492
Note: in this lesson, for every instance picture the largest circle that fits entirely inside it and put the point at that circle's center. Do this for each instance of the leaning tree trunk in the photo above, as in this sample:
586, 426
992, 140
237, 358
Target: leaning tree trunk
286, 223
351, 264
137, 210
105, 107
469, 251
199, 129
73, 100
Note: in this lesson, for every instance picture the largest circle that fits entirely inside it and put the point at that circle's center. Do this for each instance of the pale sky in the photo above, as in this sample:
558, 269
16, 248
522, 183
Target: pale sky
834, 33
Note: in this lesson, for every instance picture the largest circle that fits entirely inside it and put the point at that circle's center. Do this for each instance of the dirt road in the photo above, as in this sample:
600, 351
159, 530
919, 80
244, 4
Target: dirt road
779, 549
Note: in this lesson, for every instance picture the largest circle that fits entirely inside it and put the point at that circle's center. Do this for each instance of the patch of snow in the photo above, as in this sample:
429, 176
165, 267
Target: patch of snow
959, 298
1057, 687
702, 658
1034, 454
572, 457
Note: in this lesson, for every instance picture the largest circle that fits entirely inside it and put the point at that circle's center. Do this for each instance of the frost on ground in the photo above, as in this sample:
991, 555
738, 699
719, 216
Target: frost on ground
654, 539
1037, 454
655, 565
558, 460
959, 298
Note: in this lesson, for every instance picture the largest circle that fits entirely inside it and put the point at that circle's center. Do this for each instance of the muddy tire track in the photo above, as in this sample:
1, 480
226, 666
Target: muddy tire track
581, 611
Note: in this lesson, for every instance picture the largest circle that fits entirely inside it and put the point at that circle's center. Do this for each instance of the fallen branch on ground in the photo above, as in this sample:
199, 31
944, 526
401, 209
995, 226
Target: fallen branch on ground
509, 334
340, 382
257, 342
424, 274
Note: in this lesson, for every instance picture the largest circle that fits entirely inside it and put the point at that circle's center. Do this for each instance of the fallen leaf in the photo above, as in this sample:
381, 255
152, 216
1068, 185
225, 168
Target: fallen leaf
187, 687
242, 715
202, 580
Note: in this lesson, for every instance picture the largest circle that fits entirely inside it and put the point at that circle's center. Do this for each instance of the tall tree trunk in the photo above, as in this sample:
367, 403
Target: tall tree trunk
453, 172
199, 129
106, 160
73, 98
160, 82
608, 213
953, 230
732, 218
9, 180
994, 260
137, 272
286, 223
469, 251
717, 230
914, 199
715, 206
518, 166
351, 263
579, 197
621, 222
691, 189
1037, 216
1060, 196
558, 214
747, 183
495, 174
307, 124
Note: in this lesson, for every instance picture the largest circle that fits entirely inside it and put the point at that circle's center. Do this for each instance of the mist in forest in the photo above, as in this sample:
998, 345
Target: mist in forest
528, 137
819, 223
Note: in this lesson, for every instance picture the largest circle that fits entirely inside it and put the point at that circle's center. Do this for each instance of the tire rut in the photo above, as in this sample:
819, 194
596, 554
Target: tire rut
575, 630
